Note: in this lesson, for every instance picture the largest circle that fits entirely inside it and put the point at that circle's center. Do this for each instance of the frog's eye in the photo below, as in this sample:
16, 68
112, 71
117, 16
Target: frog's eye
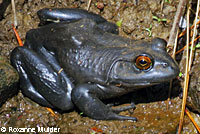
143, 62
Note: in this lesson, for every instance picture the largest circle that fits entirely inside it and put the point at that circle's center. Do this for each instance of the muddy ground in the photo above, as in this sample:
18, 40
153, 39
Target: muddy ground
153, 113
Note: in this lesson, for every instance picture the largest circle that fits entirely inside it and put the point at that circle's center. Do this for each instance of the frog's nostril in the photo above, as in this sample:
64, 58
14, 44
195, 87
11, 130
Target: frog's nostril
165, 65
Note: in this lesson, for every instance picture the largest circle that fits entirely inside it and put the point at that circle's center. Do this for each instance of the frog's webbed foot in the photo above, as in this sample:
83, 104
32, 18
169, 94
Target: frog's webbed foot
86, 97
56, 15
40, 81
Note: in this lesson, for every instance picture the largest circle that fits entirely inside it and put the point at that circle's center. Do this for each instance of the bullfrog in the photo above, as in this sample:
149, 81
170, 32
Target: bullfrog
77, 59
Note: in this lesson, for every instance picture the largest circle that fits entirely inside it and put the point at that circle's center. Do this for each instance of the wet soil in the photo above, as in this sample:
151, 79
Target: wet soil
8, 80
154, 116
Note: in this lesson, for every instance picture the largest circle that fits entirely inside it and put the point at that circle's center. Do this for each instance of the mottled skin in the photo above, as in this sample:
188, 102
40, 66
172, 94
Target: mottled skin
81, 60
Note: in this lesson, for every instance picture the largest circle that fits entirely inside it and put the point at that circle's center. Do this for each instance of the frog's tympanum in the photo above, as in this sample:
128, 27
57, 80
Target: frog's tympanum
77, 59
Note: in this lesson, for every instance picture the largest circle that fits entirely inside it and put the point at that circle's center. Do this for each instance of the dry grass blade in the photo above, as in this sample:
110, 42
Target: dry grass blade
89, 3
14, 12
52, 113
186, 77
162, 5
175, 46
17, 36
193, 37
188, 65
171, 81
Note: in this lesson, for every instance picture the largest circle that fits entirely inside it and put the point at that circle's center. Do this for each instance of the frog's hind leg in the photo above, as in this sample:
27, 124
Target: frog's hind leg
86, 97
39, 81
56, 15
30, 91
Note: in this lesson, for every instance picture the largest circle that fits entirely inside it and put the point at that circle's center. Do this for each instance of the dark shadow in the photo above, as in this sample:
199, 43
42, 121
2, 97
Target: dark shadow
3, 7
146, 95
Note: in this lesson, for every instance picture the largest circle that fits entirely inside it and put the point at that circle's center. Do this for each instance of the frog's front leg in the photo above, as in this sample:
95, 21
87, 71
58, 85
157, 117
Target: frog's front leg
56, 15
40, 80
87, 98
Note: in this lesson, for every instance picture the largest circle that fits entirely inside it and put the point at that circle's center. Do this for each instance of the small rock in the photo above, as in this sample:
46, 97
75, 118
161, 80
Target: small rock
100, 5
169, 9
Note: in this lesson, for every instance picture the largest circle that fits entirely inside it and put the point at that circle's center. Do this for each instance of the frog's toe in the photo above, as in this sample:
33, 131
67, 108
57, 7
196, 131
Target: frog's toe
56, 15
66, 14
124, 108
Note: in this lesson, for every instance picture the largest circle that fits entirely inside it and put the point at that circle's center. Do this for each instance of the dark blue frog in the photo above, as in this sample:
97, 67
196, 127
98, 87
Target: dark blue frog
77, 58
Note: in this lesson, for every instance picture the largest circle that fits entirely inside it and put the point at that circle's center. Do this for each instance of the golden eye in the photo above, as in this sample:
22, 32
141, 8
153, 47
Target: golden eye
143, 62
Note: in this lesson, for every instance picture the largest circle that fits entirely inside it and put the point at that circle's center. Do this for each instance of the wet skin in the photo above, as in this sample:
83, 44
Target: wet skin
80, 60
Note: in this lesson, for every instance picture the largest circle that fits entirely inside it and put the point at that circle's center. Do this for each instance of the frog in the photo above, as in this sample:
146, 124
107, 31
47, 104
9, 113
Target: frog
77, 59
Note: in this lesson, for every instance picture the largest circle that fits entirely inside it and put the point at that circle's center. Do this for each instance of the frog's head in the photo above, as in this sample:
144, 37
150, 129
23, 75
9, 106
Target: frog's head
145, 64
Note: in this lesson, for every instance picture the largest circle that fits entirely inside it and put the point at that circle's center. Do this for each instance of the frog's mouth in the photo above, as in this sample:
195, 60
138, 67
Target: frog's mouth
141, 85
136, 85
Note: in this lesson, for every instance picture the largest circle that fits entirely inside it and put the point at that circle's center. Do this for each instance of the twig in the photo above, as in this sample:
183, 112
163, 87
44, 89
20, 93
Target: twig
180, 50
89, 3
181, 34
193, 121
177, 17
186, 81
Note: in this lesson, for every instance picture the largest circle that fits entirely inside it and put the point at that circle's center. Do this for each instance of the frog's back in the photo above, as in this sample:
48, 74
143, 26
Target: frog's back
81, 48
74, 34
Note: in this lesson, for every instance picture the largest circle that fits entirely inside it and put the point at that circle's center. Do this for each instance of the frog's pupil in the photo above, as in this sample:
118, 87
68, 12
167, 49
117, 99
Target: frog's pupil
143, 62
